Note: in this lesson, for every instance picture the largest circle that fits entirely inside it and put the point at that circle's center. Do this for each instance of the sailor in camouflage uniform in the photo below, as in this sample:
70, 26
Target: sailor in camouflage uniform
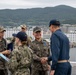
24, 29
4, 51
40, 49
21, 56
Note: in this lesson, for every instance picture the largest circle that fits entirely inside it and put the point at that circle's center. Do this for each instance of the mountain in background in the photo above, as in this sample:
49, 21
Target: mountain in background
38, 16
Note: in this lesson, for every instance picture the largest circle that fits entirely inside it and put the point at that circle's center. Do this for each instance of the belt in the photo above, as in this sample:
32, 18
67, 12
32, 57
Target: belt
62, 61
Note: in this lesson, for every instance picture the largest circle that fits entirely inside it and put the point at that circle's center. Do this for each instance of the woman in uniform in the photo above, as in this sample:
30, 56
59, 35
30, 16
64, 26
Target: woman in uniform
21, 57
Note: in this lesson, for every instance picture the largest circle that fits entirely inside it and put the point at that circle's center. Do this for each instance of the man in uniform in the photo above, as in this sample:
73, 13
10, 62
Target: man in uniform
4, 51
60, 51
24, 29
40, 49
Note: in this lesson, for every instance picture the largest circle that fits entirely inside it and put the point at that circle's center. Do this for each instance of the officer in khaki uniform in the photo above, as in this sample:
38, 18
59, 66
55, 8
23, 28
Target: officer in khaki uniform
3, 47
40, 49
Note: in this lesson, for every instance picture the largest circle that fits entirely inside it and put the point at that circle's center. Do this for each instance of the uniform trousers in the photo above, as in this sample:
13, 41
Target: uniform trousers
63, 69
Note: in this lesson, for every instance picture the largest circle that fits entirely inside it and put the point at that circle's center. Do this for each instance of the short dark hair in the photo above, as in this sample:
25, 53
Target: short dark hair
54, 22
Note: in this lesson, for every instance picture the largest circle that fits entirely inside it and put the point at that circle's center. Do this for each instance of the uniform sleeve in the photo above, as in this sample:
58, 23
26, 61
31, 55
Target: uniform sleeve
5, 42
13, 63
49, 51
35, 57
55, 50
50, 54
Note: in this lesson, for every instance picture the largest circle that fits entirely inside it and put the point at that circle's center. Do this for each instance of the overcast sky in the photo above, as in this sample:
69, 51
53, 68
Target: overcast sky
16, 4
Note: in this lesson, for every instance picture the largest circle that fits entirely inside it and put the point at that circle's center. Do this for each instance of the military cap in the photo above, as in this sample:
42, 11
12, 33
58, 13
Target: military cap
36, 29
2, 29
14, 34
22, 36
54, 22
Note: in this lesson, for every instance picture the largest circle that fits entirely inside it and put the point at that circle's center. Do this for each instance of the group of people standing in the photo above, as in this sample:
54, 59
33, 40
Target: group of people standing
33, 57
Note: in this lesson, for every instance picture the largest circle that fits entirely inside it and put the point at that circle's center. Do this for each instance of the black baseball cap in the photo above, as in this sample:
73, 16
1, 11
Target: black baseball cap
14, 34
22, 36
54, 22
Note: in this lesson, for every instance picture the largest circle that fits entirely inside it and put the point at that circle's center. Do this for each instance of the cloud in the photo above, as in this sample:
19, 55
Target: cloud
14, 4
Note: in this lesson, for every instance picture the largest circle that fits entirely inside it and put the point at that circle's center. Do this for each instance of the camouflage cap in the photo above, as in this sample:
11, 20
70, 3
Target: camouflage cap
36, 29
2, 29
23, 26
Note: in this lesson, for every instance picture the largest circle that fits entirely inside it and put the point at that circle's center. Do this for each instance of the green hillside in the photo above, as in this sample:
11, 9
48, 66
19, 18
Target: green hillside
38, 16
